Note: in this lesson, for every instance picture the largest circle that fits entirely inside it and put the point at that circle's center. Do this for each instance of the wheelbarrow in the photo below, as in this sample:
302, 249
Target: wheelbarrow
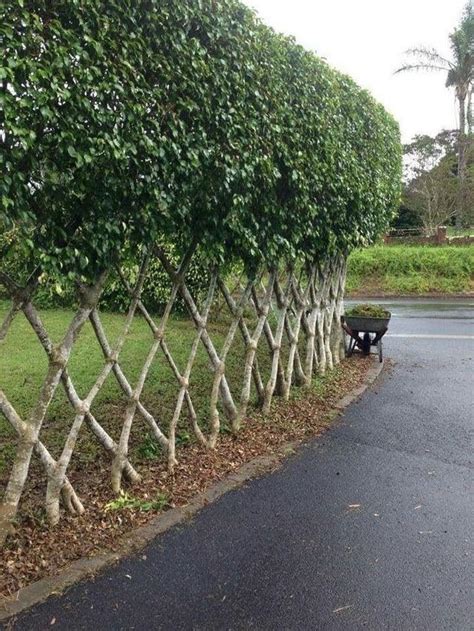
372, 330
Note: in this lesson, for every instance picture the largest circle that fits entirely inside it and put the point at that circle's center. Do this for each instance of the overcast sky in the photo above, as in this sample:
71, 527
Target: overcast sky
366, 39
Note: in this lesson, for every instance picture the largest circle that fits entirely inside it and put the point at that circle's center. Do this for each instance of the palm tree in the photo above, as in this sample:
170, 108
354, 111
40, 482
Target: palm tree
460, 76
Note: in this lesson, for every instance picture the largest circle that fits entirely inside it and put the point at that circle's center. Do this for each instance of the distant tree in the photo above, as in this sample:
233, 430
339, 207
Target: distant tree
459, 75
431, 185
424, 152
468, 189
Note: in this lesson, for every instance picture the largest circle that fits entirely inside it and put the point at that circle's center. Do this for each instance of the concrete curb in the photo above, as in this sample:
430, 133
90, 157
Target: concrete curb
137, 539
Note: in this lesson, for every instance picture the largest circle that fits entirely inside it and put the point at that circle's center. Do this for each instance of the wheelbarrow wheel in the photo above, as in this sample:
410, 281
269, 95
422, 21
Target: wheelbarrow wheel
379, 347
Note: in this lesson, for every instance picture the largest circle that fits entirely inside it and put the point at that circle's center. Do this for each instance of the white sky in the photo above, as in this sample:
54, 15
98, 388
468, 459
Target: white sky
366, 39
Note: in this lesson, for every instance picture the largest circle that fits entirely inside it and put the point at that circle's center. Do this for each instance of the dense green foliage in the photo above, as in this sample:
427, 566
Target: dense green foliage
368, 311
156, 289
54, 291
406, 219
411, 269
126, 122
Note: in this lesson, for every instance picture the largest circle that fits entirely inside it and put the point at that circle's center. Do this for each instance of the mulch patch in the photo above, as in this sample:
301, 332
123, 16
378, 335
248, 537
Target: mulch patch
37, 550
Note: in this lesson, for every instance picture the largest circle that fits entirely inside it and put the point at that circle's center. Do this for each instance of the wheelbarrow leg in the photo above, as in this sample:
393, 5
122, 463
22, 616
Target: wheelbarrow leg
379, 347
366, 342
350, 348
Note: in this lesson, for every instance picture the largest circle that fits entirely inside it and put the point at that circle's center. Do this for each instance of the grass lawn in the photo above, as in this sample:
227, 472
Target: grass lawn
411, 269
23, 364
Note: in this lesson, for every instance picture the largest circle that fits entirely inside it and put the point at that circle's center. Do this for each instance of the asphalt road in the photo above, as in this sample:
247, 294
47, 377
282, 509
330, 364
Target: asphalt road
370, 527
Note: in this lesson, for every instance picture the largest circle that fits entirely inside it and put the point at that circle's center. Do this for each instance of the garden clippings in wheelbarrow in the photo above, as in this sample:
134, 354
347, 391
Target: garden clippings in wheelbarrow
368, 320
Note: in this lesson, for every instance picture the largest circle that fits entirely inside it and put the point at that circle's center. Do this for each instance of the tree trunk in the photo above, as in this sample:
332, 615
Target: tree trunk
470, 122
58, 361
462, 162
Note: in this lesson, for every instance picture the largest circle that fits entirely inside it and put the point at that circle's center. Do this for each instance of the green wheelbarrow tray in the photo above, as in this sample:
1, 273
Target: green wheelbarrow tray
365, 324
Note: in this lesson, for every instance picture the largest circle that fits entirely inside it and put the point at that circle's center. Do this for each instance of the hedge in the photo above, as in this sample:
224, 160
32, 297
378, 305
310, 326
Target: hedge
124, 122
129, 124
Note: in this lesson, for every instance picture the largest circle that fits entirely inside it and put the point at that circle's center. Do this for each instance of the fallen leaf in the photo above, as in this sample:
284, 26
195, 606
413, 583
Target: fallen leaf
342, 608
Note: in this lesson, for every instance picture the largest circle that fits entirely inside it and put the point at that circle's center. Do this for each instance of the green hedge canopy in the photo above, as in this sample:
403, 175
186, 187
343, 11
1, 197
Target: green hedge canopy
127, 121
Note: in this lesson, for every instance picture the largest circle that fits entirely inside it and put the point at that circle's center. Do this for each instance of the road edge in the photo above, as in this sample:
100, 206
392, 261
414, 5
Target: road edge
425, 296
138, 538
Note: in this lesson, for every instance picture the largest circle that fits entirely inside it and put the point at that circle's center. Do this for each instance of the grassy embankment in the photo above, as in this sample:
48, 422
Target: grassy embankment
411, 270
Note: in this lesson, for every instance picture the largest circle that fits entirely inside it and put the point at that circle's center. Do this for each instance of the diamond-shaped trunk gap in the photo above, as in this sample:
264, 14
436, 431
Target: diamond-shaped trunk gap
180, 341
136, 346
180, 334
161, 387
87, 360
263, 359
143, 445
109, 408
200, 387
221, 318
88, 451
56, 425
235, 366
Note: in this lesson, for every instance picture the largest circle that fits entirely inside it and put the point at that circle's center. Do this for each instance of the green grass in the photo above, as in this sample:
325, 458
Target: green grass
126, 502
411, 269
